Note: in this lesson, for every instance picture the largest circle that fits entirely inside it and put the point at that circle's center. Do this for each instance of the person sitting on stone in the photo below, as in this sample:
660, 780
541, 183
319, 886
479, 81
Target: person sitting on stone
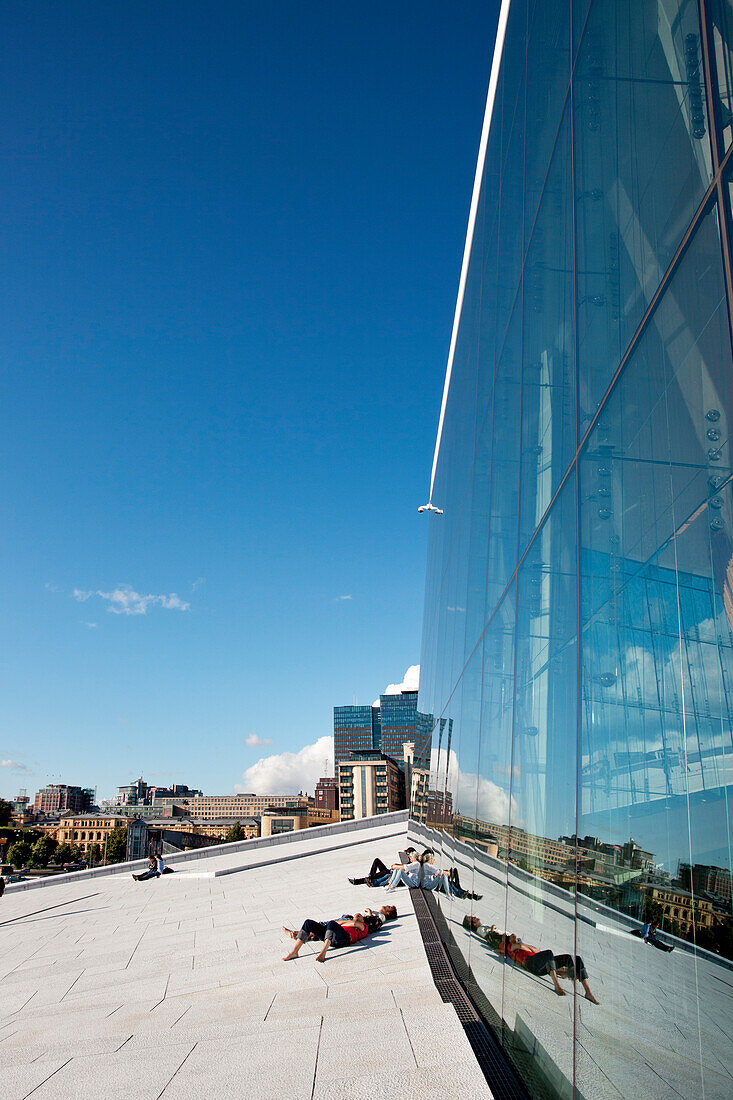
152, 871
446, 881
338, 933
379, 872
648, 933
407, 873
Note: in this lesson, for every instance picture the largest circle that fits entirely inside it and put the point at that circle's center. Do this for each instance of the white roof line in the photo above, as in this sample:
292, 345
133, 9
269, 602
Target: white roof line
493, 81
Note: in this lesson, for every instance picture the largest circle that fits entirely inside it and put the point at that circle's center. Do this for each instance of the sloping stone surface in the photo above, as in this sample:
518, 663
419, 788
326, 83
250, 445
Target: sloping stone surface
176, 987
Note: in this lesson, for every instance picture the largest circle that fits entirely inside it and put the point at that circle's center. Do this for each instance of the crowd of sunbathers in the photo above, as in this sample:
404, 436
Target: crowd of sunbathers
411, 870
415, 870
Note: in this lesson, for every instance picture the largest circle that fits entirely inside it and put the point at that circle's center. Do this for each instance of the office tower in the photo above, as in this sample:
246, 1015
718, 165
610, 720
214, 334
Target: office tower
401, 721
384, 728
578, 632
355, 729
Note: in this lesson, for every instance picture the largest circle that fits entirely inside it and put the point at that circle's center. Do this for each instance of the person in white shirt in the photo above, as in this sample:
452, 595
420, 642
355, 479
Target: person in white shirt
408, 873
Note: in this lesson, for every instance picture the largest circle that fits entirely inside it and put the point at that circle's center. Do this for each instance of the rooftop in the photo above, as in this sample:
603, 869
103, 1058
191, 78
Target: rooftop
177, 983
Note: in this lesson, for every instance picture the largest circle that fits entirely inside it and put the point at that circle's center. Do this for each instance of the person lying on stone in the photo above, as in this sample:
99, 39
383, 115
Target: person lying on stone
542, 963
491, 934
379, 872
338, 933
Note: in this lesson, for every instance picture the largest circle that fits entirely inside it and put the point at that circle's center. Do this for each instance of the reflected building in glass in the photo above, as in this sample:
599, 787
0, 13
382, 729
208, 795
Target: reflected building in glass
578, 633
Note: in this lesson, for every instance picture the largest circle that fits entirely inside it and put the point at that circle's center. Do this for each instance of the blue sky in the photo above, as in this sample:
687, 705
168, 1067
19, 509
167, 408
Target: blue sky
231, 240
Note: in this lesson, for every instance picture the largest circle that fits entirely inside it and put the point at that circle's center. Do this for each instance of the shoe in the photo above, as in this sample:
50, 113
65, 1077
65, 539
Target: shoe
353, 881
477, 897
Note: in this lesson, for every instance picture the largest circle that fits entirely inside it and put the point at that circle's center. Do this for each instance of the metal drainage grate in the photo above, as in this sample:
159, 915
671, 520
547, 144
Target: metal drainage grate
498, 1071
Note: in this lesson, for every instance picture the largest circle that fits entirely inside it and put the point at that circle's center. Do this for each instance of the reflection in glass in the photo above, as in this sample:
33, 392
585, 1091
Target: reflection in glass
577, 663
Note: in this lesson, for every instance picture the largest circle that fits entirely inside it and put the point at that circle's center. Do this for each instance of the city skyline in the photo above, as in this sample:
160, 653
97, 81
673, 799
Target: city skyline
286, 772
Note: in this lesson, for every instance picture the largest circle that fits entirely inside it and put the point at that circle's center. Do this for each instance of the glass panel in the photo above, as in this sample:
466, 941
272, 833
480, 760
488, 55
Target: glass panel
548, 376
506, 441
540, 846
642, 158
657, 666
480, 790
721, 24
548, 53
574, 839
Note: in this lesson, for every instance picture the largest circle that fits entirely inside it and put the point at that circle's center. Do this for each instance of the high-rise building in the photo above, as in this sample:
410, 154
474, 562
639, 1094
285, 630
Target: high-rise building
57, 798
400, 721
355, 729
132, 794
327, 793
384, 728
578, 633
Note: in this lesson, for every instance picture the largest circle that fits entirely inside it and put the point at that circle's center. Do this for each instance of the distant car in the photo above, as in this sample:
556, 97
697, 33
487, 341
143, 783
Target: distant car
15, 877
80, 865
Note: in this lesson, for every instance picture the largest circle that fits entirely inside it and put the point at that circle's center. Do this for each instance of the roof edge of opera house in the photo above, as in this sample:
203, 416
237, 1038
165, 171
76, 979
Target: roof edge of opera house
231, 848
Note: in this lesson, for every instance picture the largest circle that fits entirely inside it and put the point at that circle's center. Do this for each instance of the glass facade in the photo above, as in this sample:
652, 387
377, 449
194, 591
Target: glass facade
578, 632
355, 729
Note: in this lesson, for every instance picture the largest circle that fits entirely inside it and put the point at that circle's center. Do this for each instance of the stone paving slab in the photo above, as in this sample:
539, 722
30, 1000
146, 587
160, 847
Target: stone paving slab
176, 987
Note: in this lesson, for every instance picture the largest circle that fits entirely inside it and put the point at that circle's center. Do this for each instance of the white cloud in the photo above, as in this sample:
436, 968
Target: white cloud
124, 600
290, 772
491, 802
92, 626
197, 583
14, 766
254, 742
344, 597
410, 682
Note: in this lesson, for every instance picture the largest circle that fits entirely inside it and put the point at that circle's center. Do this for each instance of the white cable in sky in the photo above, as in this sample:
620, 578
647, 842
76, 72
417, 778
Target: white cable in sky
493, 81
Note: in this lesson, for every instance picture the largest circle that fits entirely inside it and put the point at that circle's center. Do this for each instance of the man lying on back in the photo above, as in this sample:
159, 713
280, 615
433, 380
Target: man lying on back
338, 933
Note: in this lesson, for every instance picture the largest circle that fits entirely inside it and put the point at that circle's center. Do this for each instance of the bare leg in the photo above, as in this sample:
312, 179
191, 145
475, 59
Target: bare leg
588, 995
294, 953
321, 956
289, 932
558, 988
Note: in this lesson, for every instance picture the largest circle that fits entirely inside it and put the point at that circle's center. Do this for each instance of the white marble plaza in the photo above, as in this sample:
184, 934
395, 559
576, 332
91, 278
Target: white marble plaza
175, 987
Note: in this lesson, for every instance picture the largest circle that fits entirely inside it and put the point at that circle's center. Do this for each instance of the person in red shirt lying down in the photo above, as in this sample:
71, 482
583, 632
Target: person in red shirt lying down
541, 963
338, 933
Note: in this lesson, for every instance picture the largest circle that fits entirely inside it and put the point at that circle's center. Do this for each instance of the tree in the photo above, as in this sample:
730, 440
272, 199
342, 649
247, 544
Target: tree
42, 851
6, 811
95, 854
63, 853
236, 832
19, 853
653, 911
117, 845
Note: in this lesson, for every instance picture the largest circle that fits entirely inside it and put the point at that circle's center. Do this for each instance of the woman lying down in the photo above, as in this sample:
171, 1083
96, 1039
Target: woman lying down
338, 933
